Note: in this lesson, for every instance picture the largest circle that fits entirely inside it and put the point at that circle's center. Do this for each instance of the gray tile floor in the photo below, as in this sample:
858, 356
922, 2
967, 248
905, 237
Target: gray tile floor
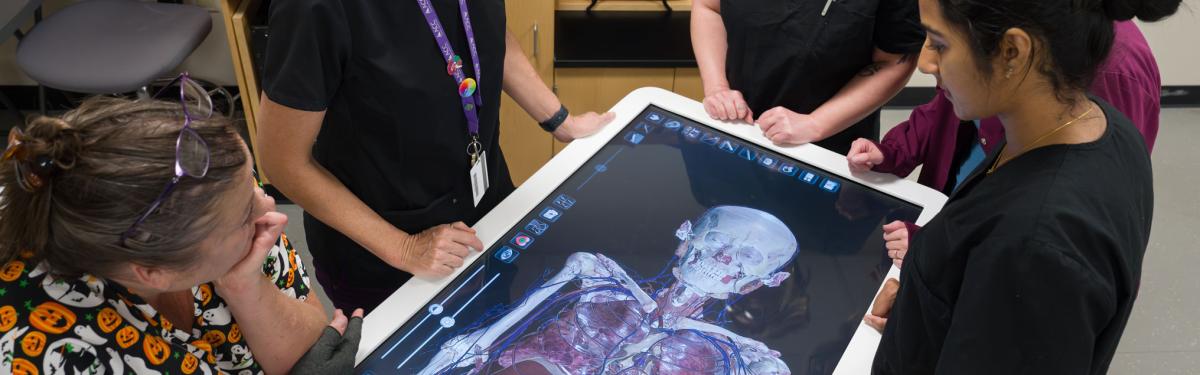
1163, 336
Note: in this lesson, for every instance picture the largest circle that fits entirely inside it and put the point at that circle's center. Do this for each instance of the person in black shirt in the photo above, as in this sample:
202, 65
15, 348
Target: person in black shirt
1033, 265
805, 70
370, 121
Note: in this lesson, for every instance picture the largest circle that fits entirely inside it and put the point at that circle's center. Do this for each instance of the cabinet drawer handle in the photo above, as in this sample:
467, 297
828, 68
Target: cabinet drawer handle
536, 44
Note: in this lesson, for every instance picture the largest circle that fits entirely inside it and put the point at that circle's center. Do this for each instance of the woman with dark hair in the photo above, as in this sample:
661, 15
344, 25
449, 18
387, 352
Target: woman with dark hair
134, 239
1034, 263
948, 149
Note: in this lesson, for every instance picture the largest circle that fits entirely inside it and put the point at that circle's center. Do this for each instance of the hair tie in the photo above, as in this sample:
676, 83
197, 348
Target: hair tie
32, 170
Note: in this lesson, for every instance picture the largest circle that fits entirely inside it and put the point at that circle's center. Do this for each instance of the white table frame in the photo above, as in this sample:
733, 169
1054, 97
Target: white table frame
407, 301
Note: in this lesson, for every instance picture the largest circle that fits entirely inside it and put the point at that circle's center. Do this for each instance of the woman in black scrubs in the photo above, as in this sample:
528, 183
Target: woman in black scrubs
805, 70
1033, 265
373, 112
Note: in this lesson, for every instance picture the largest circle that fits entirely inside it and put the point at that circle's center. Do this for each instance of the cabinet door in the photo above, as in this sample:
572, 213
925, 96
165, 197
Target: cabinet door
687, 83
526, 147
237, 32
624, 5
598, 89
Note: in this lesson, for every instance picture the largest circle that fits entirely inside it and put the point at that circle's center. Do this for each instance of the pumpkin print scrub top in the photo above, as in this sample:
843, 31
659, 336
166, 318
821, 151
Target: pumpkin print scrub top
87, 325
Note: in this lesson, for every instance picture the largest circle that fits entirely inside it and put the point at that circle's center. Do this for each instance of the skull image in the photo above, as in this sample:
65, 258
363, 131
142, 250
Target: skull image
733, 250
614, 324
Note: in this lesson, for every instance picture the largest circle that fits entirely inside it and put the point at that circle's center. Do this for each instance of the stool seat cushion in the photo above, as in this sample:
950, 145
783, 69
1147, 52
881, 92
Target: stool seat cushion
111, 46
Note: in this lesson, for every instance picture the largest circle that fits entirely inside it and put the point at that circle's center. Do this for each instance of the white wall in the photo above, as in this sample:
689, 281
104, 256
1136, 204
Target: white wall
1176, 44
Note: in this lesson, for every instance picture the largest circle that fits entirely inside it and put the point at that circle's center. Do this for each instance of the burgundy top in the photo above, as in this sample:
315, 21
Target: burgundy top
1129, 80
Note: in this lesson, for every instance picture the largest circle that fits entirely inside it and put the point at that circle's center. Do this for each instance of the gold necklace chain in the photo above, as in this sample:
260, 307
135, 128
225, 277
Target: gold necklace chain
996, 163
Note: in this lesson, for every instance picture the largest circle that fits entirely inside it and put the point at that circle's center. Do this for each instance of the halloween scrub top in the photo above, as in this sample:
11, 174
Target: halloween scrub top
88, 325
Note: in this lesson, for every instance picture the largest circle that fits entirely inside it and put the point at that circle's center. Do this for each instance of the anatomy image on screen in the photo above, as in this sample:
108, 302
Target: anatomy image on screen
593, 317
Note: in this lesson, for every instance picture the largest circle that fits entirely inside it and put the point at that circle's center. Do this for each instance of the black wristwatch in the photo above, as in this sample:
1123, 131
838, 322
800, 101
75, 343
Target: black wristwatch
555, 121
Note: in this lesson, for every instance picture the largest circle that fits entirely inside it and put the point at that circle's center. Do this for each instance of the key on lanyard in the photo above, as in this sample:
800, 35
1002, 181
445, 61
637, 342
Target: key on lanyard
474, 149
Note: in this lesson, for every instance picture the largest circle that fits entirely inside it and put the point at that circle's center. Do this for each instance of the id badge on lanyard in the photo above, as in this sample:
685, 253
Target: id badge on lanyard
468, 88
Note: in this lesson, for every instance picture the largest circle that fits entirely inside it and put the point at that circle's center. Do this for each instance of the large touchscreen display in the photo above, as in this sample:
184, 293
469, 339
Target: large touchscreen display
676, 249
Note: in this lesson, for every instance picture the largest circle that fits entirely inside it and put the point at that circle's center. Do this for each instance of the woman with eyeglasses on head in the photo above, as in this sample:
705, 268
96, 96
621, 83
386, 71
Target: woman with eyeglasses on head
134, 239
1033, 265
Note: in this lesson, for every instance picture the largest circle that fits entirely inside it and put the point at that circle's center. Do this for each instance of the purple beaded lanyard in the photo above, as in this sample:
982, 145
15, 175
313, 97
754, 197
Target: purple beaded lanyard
467, 87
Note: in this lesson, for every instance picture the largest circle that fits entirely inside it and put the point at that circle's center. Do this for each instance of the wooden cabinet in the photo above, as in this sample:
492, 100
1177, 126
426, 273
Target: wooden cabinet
526, 146
236, 14
598, 89
624, 5
687, 83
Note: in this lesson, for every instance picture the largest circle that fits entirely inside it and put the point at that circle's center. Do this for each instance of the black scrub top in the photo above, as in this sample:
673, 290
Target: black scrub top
1031, 270
785, 53
394, 131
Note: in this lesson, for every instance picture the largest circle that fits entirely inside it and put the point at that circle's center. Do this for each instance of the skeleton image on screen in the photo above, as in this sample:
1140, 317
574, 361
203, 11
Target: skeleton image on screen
592, 317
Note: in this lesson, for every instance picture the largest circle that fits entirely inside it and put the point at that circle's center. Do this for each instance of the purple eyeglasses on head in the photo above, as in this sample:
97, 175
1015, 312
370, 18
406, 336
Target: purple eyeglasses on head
191, 152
